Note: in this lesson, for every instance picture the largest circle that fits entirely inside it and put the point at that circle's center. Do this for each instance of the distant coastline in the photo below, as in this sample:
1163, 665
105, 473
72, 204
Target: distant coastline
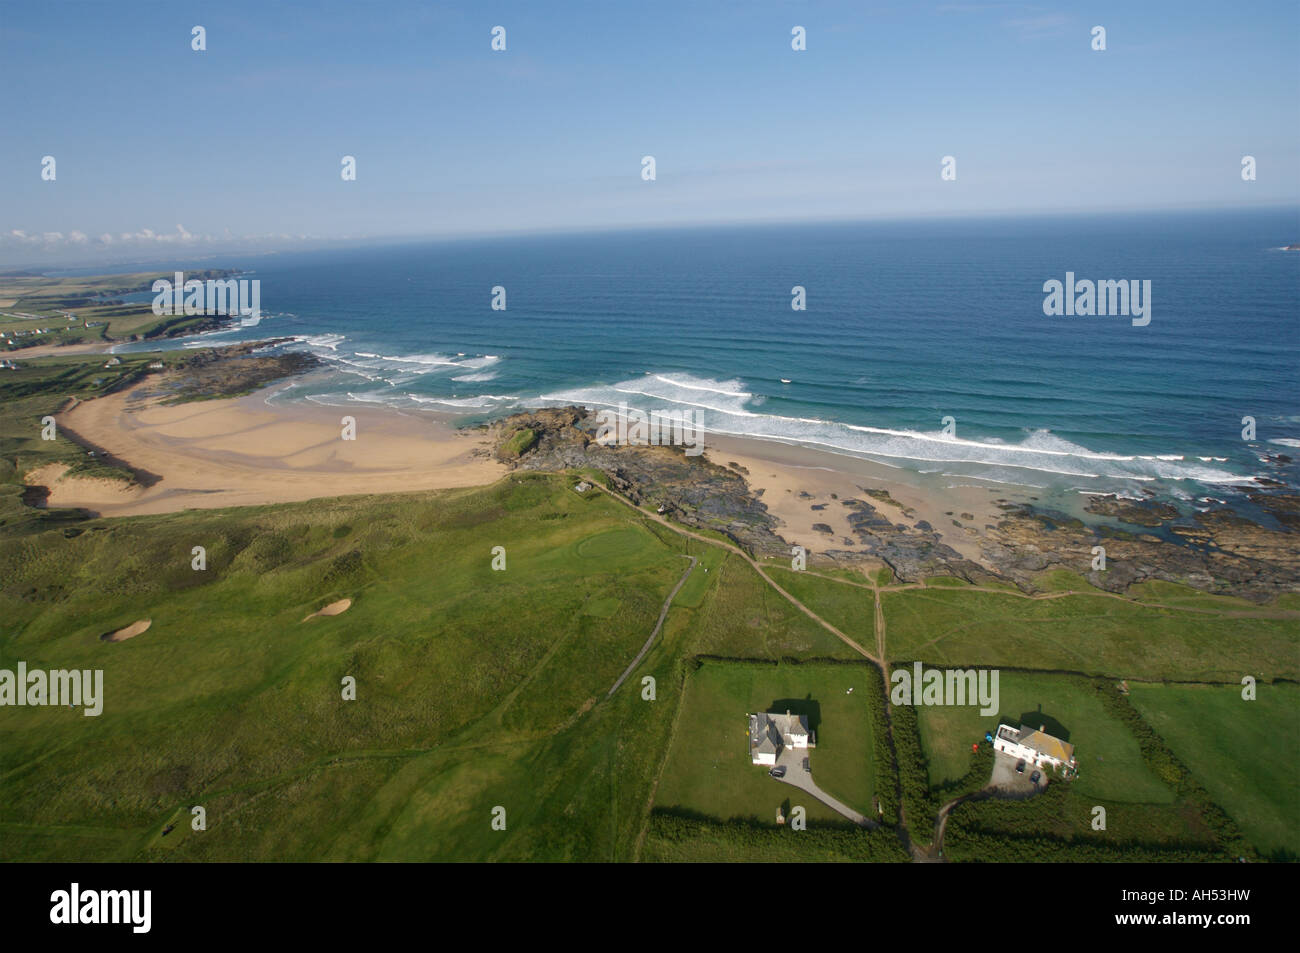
1061, 409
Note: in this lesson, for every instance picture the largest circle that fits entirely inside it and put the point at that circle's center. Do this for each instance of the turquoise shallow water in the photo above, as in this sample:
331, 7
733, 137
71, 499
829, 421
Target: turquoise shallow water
906, 323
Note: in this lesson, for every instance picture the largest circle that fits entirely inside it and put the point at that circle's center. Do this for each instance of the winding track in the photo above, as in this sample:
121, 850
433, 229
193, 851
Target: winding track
676, 528
663, 614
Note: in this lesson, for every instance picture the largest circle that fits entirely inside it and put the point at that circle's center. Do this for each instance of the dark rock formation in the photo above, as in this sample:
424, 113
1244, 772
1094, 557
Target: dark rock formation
692, 490
1138, 512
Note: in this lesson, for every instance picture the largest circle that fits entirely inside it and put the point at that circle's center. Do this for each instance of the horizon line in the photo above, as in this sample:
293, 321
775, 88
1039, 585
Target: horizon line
318, 243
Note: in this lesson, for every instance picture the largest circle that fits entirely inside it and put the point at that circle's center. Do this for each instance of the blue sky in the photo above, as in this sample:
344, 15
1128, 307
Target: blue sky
242, 143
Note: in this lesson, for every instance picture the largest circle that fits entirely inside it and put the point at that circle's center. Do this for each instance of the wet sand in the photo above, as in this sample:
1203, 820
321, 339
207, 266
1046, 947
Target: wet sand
246, 451
793, 480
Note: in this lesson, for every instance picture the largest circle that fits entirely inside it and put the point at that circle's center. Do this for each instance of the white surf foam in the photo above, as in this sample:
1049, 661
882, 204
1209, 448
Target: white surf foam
726, 407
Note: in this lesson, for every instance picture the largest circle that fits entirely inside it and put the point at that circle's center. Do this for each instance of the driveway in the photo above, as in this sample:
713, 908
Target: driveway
1007, 783
792, 759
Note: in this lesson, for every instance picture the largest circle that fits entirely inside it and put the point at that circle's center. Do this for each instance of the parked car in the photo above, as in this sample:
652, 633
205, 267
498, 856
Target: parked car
1020, 767
778, 771
1035, 777
806, 766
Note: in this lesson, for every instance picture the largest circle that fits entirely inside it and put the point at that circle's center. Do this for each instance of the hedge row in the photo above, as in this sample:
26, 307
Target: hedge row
919, 802
982, 847
886, 763
1166, 766
816, 843
1021, 830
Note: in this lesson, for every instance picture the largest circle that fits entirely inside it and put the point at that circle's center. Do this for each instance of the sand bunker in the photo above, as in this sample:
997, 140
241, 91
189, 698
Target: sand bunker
334, 608
130, 632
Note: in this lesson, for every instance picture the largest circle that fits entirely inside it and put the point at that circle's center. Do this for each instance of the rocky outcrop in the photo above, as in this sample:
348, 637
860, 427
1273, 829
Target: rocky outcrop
1218, 551
691, 490
912, 552
230, 371
1137, 512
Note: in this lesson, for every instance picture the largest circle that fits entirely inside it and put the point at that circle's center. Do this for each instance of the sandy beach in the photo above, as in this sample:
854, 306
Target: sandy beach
246, 451
803, 487
259, 449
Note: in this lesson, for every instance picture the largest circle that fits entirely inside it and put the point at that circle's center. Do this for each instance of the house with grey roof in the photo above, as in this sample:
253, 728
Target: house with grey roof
771, 733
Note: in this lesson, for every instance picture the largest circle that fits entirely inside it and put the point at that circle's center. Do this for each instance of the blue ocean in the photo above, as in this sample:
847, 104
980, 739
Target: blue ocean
905, 324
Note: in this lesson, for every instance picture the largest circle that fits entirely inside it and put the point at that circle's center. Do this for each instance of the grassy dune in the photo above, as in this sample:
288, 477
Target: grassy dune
230, 700
39, 389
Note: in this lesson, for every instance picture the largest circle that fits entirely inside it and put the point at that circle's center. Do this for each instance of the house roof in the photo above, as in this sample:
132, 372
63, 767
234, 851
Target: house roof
1044, 743
769, 732
789, 723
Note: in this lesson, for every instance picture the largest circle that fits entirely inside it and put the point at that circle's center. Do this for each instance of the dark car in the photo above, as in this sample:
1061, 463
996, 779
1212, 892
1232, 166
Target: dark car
778, 771
1020, 767
1035, 777
806, 766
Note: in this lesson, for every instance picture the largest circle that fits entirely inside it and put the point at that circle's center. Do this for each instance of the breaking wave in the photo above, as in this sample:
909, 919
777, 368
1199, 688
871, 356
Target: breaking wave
727, 407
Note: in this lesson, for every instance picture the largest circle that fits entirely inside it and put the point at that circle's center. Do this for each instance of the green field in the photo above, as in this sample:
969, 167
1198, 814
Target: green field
35, 302
1232, 747
848, 606
709, 769
466, 677
1110, 764
747, 618
1094, 635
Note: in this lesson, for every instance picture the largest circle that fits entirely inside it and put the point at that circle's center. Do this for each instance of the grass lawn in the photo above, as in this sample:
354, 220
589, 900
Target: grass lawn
1110, 763
472, 684
1241, 751
745, 618
709, 770
850, 608
1085, 633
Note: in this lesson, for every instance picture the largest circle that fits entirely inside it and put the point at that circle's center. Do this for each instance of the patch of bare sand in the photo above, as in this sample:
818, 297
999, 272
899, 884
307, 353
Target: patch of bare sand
130, 632
334, 608
794, 480
90, 492
245, 451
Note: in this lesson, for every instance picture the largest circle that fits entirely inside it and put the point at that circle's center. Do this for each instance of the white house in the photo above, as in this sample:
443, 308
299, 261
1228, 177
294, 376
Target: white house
770, 733
1035, 746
